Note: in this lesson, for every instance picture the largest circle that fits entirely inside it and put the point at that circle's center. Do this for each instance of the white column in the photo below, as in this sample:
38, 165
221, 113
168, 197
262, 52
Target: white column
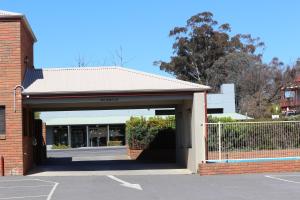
198, 132
69, 137
107, 139
87, 136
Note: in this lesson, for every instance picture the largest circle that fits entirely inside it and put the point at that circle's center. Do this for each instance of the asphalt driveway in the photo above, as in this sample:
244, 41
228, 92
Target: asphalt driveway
175, 187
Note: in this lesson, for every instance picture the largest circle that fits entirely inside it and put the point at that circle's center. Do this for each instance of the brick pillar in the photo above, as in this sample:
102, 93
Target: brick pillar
44, 131
16, 44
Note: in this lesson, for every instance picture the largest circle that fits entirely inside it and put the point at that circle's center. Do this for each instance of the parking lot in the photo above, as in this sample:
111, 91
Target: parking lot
106, 173
229, 187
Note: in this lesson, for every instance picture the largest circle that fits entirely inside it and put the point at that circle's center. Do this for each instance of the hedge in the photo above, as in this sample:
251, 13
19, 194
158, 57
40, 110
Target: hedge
154, 132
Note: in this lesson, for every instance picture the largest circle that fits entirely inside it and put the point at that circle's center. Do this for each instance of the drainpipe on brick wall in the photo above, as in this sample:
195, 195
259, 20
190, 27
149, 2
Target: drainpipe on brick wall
2, 166
15, 91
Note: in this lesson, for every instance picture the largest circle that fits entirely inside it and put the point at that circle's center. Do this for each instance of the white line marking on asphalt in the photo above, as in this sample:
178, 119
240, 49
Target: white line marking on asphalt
281, 179
19, 180
49, 196
24, 197
52, 191
25, 186
125, 184
288, 175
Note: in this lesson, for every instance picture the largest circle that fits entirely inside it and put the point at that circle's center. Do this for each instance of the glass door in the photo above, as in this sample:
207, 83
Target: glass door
98, 136
78, 136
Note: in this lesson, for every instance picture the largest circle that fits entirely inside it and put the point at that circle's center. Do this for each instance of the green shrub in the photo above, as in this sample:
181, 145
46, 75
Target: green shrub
220, 119
60, 146
141, 132
114, 143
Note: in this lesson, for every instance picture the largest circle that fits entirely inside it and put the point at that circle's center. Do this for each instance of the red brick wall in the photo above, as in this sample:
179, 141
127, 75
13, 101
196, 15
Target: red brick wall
14, 45
152, 155
246, 168
44, 131
133, 154
27, 42
27, 139
26, 48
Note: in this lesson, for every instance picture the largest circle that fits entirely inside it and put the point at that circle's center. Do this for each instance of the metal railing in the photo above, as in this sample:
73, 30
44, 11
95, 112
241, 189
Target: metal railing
247, 140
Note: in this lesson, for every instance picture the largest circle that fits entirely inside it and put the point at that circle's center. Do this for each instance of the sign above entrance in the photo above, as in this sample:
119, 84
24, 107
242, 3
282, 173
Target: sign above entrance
112, 99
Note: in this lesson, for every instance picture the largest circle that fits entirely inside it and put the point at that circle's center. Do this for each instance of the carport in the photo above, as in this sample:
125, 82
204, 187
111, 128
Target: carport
101, 88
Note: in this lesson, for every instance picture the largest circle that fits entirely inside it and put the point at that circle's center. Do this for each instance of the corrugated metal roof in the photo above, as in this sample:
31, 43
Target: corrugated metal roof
101, 80
8, 14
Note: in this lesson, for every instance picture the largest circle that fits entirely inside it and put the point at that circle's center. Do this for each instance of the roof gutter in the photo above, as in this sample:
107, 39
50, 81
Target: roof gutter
113, 92
123, 94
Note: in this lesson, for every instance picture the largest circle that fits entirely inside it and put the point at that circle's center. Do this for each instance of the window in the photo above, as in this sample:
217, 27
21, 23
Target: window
117, 133
60, 135
215, 110
2, 120
289, 94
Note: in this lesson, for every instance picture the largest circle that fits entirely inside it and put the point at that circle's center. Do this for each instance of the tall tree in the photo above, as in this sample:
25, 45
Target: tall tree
199, 44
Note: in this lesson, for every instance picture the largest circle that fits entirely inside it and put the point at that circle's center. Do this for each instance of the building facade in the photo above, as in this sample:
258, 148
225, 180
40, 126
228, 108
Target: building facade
16, 55
223, 104
26, 90
290, 98
85, 132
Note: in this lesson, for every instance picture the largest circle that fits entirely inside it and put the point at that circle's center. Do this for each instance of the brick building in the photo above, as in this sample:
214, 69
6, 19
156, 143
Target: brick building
290, 98
16, 54
25, 90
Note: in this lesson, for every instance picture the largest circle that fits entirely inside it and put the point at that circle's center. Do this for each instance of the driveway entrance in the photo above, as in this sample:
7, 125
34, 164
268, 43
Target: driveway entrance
100, 161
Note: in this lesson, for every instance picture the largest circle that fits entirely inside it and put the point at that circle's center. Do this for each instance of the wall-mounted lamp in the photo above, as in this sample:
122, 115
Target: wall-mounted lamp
26, 60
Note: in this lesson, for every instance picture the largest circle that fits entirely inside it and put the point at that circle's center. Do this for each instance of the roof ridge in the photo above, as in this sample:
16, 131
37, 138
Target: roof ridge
160, 77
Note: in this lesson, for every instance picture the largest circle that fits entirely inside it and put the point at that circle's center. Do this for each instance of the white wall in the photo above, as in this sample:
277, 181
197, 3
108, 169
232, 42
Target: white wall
190, 140
225, 99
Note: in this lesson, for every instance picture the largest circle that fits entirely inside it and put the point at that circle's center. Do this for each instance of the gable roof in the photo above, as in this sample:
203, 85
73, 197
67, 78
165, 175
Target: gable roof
101, 80
13, 15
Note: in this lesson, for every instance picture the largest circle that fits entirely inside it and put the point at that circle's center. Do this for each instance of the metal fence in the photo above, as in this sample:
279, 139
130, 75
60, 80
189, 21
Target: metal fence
247, 140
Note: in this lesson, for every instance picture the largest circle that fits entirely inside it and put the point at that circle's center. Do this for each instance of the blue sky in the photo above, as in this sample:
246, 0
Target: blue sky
95, 29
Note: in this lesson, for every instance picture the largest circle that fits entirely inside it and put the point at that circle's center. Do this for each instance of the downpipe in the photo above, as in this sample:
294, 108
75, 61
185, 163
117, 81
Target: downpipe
2, 166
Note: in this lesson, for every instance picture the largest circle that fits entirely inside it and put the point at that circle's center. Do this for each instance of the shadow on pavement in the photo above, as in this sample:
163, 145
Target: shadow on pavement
67, 164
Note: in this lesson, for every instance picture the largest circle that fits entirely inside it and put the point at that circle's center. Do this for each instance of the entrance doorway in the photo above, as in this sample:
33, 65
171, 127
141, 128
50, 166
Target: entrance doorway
78, 136
103, 147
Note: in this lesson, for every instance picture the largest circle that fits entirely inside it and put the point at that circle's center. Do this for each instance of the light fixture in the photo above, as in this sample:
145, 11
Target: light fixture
26, 60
